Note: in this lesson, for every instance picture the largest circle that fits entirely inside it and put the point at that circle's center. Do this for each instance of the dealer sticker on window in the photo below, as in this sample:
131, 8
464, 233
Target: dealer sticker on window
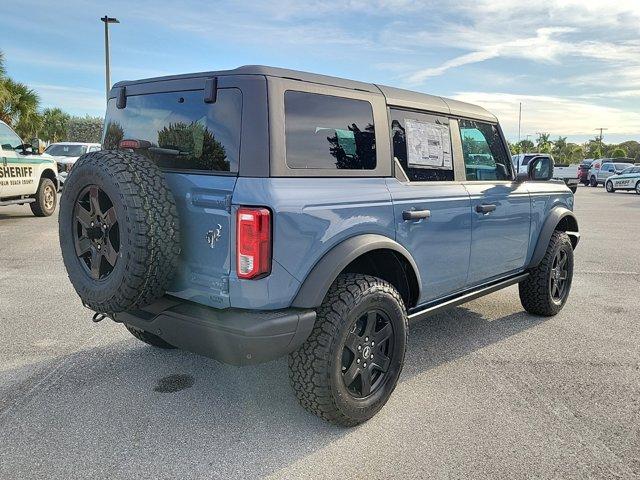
428, 145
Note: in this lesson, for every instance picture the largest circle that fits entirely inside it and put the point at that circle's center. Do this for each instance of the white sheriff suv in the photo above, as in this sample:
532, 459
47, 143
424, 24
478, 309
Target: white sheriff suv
627, 179
25, 176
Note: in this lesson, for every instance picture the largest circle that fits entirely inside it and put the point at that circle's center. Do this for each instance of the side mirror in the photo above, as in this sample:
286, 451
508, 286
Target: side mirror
540, 169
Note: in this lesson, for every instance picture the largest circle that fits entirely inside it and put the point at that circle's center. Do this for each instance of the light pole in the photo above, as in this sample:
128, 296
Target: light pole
107, 20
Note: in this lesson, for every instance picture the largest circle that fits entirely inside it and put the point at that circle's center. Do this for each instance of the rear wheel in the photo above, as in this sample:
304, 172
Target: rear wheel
546, 289
593, 182
638, 188
609, 187
574, 188
46, 199
351, 362
118, 231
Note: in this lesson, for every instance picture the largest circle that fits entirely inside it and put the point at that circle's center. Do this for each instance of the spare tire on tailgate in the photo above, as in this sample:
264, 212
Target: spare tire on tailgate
119, 231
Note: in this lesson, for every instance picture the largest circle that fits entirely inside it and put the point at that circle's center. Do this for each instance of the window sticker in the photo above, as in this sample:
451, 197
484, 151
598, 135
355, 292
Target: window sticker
428, 145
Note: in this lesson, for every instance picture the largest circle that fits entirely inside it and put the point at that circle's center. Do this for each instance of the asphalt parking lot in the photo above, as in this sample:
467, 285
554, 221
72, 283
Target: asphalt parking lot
488, 391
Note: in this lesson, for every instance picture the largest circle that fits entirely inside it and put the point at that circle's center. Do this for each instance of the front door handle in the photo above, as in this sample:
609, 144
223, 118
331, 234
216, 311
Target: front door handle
485, 208
416, 214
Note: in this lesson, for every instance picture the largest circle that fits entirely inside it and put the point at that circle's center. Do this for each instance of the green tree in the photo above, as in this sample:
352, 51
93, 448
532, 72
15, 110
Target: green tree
113, 135
194, 144
632, 148
618, 152
85, 129
55, 125
19, 107
543, 143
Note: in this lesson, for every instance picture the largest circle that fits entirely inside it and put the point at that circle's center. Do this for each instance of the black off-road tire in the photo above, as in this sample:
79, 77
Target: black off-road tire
315, 368
46, 199
535, 294
149, 338
147, 219
609, 187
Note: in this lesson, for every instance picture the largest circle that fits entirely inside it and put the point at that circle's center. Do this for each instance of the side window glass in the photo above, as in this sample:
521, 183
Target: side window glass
422, 145
328, 132
485, 157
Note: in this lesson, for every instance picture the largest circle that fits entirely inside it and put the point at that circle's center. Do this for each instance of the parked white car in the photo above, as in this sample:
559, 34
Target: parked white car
66, 153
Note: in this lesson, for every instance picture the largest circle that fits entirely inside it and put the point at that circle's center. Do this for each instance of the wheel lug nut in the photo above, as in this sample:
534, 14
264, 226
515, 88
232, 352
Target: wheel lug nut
366, 339
358, 360
92, 224
99, 247
365, 364
373, 343
359, 347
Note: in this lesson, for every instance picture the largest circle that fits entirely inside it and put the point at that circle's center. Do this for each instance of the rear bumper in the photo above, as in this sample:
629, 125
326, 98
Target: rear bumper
234, 336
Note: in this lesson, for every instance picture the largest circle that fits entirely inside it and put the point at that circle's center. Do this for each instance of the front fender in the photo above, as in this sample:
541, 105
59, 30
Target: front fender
322, 275
559, 216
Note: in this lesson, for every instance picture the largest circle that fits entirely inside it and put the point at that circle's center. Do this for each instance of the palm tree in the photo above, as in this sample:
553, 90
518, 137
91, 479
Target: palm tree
55, 125
19, 107
18, 104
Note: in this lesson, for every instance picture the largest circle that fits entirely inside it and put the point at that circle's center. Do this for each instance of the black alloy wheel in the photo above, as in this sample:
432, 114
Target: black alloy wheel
367, 353
96, 232
558, 279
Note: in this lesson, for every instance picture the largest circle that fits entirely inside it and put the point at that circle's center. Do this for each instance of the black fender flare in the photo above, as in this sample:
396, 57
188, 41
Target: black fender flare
322, 275
556, 215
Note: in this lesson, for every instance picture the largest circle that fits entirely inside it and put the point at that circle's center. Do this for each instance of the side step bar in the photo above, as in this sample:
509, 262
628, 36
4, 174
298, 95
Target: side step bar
4, 203
450, 302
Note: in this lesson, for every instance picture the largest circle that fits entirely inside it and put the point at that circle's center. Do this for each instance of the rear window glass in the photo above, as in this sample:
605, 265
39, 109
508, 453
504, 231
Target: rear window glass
178, 130
327, 132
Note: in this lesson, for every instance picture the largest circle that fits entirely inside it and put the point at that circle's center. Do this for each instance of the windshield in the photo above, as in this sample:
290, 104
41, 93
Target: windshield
58, 150
8, 139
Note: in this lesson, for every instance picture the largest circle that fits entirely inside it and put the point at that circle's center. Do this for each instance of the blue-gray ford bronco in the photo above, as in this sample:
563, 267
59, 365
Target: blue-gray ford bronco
259, 212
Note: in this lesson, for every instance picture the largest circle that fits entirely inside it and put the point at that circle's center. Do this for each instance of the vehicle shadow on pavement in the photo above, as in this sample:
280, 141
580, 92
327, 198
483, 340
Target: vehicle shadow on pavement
128, 407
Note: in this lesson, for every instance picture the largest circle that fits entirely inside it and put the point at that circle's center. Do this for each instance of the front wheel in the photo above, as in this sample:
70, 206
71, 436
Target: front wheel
593, 182
609, 187
638, 188
546, 289
347, 369
46, 199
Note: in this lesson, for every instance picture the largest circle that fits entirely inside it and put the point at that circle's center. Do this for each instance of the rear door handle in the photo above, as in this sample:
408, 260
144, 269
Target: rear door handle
485, 208
416, 214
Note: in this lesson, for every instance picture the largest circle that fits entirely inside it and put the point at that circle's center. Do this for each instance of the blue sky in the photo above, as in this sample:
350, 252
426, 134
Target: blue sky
574, 64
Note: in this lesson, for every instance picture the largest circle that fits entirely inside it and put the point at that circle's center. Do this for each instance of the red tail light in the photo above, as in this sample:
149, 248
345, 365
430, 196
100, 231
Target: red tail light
253, 242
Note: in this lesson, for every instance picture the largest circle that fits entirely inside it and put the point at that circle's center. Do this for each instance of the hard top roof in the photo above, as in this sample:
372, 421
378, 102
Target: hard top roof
394, 96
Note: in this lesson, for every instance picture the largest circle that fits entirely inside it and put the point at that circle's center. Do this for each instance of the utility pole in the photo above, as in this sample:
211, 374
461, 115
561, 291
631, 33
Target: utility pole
107, 77
601, 130
519, 120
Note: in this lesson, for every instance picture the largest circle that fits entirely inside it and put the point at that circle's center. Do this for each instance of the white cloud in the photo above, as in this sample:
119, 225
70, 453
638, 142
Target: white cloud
78, 100
542, 32
555, 115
